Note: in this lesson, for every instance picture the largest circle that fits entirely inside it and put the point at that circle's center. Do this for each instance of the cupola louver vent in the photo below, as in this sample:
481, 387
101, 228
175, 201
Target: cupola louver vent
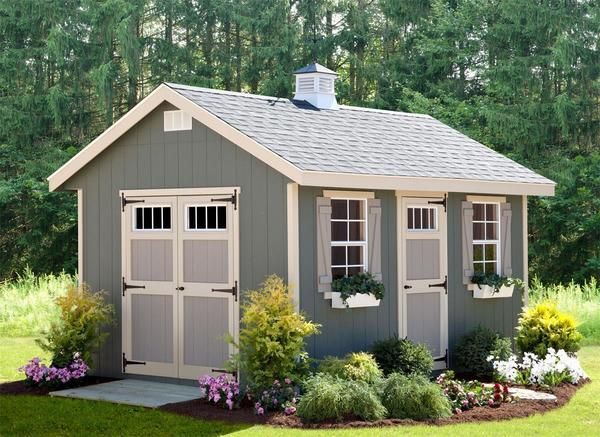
315, 84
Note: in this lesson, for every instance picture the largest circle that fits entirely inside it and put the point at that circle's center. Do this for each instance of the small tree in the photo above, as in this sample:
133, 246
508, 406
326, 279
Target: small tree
83, 314
271, 343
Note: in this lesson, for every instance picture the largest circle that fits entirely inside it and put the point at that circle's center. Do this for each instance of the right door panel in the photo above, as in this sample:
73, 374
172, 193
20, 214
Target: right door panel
424, 273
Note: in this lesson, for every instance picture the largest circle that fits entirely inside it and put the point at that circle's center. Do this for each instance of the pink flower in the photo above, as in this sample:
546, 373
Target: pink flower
260, 411
229, 403
288, 381
289, 410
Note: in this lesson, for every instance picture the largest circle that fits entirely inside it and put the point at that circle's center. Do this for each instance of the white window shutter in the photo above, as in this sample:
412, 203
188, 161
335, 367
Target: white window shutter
467, 240
324, 244
505, 238
374, 236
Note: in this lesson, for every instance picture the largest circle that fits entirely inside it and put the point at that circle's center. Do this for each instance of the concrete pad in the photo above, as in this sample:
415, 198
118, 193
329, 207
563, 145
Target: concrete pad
133, 392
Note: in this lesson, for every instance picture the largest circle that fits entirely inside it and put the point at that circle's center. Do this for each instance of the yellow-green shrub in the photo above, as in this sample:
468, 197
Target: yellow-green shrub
271, 342
544, 326
356, 366
83, 314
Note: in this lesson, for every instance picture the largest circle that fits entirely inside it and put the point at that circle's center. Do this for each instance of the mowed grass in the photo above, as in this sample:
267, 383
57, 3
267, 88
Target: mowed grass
582, 301
30, 415
27, 304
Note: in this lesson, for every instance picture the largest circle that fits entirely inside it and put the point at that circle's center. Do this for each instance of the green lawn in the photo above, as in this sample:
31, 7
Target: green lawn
27, 415
14, 352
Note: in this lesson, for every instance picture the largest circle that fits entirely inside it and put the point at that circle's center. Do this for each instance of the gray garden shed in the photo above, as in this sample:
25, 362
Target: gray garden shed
195, 195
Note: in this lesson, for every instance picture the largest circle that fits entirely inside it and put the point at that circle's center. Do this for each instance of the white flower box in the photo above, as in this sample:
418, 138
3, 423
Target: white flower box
487, 292
357, 301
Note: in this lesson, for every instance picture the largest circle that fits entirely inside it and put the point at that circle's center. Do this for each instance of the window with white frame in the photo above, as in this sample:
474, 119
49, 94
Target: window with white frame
422, 218
206, 218
152, 218
348, 237
486, 237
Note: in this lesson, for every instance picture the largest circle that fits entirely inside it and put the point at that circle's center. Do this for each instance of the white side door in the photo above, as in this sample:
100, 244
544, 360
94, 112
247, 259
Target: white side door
424, 304
149, 234
207, 286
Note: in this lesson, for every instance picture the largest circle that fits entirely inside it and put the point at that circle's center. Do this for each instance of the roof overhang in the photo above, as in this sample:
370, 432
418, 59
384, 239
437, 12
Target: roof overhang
309, 178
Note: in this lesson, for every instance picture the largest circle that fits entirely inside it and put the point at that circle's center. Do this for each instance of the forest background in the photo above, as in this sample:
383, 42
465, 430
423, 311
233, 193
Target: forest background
521, 76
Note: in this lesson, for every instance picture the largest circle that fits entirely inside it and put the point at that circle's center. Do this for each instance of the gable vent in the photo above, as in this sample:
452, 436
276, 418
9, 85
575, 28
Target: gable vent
177, 120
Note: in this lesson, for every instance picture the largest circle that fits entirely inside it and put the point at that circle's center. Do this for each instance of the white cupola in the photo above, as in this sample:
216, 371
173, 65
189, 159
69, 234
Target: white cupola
316, 85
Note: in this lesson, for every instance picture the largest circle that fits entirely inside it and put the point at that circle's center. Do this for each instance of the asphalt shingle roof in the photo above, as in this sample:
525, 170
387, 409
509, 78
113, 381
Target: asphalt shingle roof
359, 140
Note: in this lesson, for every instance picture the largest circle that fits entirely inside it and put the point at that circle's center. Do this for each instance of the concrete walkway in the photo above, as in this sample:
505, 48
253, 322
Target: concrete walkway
133, 392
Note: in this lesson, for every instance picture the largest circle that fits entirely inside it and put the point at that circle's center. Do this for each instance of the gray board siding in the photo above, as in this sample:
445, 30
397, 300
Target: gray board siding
356, 329
346, 330
148, 158
464, 312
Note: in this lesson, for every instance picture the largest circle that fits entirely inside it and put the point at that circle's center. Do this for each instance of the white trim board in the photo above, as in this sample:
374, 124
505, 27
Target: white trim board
302, 177
293, 243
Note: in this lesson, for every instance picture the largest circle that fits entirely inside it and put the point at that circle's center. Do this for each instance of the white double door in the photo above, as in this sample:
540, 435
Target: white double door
424, 266
179, 284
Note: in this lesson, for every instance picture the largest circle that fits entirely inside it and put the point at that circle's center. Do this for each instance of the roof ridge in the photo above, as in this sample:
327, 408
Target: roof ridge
226, 92
271, 98
386, 111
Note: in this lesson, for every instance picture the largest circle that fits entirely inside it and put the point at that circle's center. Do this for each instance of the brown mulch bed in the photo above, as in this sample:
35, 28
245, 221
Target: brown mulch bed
20, 388
202, 410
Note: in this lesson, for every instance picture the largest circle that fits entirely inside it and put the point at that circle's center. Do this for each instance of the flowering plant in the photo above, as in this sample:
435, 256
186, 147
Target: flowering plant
556, 367
464, 396
39, 374
279, 397
220, 390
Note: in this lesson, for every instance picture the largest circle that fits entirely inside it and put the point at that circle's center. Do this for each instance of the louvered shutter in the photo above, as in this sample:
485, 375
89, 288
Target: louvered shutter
374, 237
505, 239
324, 244
467, 241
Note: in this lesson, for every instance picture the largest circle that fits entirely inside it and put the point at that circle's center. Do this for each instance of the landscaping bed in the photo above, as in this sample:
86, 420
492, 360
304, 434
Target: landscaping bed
201, 409
22, 388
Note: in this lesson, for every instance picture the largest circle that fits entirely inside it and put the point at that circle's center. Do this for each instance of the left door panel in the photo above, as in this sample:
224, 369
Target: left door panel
149, 286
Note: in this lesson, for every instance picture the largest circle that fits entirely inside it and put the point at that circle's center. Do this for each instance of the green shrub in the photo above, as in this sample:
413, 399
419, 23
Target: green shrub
361, 366
329, 397
544, 326
271, 340
83, 314
400, 355
357, 366
580, 300
474, 348
414, 397
333, 366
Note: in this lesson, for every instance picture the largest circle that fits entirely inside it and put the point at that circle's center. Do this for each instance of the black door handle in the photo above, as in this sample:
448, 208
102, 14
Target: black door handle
406, 287
180, 288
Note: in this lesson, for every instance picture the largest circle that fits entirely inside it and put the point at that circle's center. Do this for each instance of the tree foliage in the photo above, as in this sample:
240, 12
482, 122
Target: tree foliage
521, 77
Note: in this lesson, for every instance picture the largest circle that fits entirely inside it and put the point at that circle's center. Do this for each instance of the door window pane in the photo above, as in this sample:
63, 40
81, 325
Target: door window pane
207, 218
152, 218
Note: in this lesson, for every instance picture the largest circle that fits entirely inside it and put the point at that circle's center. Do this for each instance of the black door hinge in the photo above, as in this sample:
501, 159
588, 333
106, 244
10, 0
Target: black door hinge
439, 202
233, 373
233, 199
125, 285
125, 201
127, 362
444, 359
233, 290
441, 284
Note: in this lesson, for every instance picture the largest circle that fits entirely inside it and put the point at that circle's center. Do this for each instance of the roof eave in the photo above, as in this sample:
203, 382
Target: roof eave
403, 183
